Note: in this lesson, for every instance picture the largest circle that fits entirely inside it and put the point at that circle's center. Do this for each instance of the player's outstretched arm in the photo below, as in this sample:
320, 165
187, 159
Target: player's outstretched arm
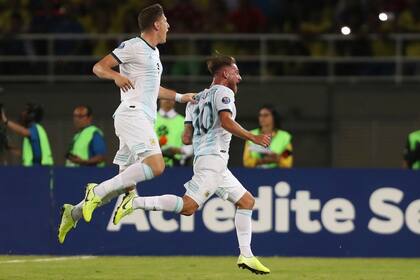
236, 129
103, 69
170, 94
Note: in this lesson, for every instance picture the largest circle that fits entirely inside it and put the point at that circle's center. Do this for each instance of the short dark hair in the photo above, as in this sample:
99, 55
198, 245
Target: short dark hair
88, 109
216, 62
35, 112
276, 115
148, 16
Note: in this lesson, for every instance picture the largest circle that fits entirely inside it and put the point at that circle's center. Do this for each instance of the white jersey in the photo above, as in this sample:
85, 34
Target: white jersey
209, 137
140, 63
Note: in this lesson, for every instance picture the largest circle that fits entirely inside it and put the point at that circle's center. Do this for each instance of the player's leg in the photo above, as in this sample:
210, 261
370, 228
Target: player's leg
201, 187
244, 203
71, 214
168, 203
243, 217
139, 140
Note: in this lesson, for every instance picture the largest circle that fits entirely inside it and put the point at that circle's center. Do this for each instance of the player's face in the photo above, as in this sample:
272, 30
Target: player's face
265, 118
163, 28
233, 77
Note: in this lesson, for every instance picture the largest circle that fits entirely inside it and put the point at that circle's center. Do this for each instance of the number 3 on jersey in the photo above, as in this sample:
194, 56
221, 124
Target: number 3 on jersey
203, 118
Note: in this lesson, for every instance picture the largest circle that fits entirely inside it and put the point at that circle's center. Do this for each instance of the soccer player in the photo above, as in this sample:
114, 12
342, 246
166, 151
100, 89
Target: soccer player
139, 156
209, 125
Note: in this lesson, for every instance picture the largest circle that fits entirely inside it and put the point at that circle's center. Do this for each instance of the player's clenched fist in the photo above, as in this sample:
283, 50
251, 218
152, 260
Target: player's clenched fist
123, 83
262, 140
188, 97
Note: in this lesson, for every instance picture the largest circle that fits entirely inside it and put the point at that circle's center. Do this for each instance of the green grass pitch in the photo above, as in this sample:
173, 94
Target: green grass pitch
195, 268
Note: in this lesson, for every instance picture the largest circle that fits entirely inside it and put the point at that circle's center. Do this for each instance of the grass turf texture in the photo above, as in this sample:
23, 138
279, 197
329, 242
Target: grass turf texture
203, 268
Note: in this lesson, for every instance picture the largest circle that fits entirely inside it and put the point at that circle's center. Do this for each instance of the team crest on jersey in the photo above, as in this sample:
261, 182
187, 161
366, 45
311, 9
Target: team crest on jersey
226, 100
121, 46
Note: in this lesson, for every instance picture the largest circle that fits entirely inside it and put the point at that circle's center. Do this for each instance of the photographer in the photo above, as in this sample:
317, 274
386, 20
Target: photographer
36, 147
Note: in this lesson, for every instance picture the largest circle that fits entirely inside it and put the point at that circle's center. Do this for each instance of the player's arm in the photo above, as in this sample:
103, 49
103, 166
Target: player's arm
236, 129
187, 134
170, 94
103, 69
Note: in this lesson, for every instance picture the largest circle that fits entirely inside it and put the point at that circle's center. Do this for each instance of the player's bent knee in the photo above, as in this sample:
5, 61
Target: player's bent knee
158, 169
190, 206
252, 202
247, 201
156, 164
187, 212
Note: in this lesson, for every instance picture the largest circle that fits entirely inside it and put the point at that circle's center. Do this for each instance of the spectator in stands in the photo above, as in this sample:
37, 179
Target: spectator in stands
11, 45
216, 12
36, 148
169, 128
316, 18
409, 22
248, 18
279, 153
188, 17
412, 151
88, 145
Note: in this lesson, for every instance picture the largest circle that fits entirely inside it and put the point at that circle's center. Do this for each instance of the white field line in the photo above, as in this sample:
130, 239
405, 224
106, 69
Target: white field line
49, 259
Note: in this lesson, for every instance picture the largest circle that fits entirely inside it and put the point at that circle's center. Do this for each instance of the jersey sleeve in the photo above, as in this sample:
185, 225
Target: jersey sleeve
188, 113
123, 53
224, 101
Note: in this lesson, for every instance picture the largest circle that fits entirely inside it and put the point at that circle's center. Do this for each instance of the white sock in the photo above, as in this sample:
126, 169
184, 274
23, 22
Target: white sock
134, 174
244, 231
167, 202
77, 214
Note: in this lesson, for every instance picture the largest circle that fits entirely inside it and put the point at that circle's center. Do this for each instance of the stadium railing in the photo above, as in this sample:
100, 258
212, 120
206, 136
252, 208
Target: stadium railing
263, 57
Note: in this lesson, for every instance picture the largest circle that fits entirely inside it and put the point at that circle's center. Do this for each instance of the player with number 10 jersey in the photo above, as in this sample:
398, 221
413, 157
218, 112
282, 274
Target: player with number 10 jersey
209, 125
209, 137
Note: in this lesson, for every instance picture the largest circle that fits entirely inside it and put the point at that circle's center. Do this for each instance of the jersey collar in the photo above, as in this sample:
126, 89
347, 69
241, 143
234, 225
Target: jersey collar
153, 48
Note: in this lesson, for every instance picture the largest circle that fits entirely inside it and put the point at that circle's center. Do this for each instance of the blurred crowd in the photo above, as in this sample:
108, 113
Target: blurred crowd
205, 16
306, 18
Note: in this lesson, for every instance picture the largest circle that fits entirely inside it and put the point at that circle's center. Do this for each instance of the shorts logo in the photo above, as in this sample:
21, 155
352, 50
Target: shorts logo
226, 100
121, 46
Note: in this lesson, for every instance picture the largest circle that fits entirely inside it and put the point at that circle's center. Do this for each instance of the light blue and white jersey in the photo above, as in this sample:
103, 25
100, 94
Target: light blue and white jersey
140, 63
209, 137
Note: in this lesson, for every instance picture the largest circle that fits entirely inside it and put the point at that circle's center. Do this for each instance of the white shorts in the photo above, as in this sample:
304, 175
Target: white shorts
211, 176
138, 139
